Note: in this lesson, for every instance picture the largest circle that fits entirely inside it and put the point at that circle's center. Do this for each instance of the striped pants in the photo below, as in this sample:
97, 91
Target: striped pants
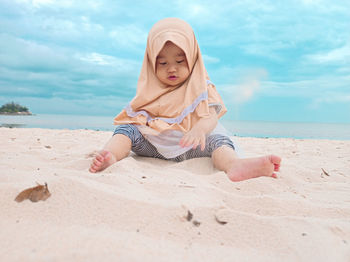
142, 147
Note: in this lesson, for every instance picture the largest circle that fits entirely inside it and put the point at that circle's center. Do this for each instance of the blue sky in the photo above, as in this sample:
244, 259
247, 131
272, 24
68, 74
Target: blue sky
270, 60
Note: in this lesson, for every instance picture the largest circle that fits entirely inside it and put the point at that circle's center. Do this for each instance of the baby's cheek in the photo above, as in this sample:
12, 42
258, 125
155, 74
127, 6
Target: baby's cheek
185, 72
158, 74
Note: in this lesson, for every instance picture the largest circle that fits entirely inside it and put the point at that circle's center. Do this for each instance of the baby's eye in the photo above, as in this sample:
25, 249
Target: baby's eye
179, 62
162, 63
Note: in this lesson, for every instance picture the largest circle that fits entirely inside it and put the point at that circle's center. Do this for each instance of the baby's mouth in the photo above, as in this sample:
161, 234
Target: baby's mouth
172, 77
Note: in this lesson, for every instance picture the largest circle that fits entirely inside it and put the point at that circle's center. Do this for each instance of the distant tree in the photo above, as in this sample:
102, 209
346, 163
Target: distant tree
13, 108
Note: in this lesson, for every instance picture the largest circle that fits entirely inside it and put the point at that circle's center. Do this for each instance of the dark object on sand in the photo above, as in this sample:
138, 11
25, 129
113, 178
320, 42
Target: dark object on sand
34, 194
221, 222
324, 172
189, 218
189, 215
196, 223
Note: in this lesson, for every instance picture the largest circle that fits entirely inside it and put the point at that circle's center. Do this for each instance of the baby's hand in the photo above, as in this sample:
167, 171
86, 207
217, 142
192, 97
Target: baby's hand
194, 137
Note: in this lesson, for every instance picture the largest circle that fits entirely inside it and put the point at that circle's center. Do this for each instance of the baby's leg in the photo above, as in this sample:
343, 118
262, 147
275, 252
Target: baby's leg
117, 148
225, 159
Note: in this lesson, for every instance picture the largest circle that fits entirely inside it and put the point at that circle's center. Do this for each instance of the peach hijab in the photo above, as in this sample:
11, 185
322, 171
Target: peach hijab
162, 107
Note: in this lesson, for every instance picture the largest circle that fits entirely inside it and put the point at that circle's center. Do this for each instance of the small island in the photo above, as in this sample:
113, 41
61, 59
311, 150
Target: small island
14, 109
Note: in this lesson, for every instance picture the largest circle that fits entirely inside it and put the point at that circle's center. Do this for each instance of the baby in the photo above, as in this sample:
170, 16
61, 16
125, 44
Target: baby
175, 112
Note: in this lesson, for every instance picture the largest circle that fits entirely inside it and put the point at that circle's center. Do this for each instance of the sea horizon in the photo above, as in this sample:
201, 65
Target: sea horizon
241, 128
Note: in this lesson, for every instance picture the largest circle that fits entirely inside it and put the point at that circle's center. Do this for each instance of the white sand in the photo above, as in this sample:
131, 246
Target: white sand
136, 210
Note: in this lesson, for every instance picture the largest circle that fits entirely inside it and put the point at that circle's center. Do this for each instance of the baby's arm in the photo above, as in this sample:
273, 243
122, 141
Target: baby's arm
196, 136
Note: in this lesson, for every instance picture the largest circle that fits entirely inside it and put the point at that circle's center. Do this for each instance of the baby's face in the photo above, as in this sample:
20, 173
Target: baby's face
171, 65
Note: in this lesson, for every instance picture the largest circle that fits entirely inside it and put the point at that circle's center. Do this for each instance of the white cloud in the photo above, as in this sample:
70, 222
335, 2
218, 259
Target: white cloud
247, 86
31, 69
194, 9
20, 53
98, 59
333, 98
328, 98
262, 50
337, 55
321, 91
311, 2
120, 64
89, 26
344, 70
72, 29
38, 3
128, 35
44, 3
210, 59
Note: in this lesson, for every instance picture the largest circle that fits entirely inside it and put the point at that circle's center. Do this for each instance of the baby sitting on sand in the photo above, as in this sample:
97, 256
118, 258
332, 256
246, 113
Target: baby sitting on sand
175, 112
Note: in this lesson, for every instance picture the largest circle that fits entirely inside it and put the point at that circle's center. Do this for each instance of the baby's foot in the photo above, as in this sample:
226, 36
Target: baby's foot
102, 160
243, 169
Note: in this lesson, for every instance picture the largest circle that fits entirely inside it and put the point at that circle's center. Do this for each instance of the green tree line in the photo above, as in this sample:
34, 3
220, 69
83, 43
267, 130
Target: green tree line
13, 108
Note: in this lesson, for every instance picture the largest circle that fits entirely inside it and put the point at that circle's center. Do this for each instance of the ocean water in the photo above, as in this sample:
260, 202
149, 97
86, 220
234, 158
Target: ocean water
236, 128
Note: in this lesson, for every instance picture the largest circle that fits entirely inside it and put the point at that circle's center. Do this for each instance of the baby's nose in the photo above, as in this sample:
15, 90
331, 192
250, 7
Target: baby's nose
171, 69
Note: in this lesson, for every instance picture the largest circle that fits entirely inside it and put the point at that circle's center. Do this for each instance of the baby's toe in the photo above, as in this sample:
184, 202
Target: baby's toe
97, 162
99, 158
92, 169
277, 167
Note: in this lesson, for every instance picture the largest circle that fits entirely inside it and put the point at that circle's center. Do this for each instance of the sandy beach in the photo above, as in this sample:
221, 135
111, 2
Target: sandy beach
144, 209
